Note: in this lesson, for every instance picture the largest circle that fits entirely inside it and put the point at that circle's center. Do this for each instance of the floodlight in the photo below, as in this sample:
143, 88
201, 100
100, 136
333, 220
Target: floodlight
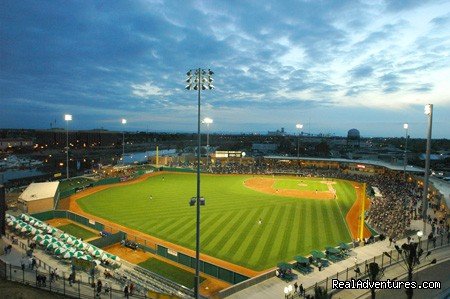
420, 234
207, 120
67, 117
405, 126
299, 126
124, 121
428, 109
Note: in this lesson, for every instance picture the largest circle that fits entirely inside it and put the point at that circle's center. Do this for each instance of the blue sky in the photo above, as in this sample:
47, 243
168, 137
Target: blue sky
331, 65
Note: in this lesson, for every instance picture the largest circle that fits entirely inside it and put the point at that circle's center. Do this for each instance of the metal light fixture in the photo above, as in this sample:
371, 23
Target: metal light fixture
124, 122
67, 118
207, 121
198, 79
299, 127
405, 158
429, 113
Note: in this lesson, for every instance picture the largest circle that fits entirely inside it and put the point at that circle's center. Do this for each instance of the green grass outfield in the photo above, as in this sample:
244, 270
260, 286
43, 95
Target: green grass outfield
77, 231
229, 221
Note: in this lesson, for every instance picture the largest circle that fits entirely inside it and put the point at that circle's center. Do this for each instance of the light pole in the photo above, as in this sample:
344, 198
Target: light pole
419, 236
299, 127
405, 159
67, 118
429, 112
198, 79
411, 254
207, 121
124, 122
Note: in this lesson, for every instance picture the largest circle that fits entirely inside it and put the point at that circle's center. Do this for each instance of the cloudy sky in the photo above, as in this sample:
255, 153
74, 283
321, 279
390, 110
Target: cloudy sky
331, 65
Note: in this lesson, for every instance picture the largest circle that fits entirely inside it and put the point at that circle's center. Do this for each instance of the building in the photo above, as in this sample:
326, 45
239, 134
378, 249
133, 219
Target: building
264, 148
277, 133
39, 197
15, 142
353, 138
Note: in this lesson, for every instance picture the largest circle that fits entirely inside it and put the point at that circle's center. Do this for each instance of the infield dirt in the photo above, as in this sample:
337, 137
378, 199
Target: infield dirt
265, 185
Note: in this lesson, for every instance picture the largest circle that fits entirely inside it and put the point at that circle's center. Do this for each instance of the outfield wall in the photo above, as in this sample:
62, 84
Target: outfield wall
108, 240
205, 267
183, 259
44, 216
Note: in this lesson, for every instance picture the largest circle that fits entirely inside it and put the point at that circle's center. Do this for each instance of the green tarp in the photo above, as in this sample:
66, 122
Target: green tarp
318, 254
302, 259
344, 246
332, 250
284, 266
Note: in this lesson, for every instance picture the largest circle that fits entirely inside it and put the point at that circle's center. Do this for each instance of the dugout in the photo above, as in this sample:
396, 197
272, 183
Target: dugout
39, 197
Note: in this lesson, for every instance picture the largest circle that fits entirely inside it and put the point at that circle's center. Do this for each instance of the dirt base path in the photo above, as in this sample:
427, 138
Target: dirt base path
353, 215
265, 185
150, 240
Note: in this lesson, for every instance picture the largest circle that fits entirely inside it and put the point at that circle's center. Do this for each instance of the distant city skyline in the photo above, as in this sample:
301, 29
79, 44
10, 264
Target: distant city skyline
331, 66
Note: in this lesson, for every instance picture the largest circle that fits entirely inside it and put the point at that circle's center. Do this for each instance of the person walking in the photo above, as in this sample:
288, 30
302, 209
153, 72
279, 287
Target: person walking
99, 287
131, 288
125, 291
295, 287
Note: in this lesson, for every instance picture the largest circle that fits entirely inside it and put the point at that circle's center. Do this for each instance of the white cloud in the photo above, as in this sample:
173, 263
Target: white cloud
148, 89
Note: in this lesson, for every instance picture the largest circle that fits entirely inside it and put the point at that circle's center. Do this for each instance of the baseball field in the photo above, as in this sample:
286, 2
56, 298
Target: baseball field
251, 221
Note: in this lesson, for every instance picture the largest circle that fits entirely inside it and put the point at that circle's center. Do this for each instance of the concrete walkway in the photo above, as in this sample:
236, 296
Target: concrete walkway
274, 287
46, 262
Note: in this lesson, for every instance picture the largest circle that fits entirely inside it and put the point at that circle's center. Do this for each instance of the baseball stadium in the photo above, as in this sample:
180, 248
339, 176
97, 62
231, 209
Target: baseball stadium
279, 217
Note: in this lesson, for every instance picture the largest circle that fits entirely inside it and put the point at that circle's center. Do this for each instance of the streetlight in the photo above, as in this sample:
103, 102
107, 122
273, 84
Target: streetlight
411, 254
299, 127
198, 79
405, 126
67, 118
124, 121
429, 113
419, 236
207, 121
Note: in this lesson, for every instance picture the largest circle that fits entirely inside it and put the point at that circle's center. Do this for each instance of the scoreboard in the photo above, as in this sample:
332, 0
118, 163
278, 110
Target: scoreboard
228, 154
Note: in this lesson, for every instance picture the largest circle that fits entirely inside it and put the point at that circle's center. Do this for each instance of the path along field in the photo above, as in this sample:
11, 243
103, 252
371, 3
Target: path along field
230, 229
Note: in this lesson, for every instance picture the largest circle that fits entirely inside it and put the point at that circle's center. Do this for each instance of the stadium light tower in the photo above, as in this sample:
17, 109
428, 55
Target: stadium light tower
207, 121
124, 122
67, 118
299, 127
199, 80
405, 159
429, 113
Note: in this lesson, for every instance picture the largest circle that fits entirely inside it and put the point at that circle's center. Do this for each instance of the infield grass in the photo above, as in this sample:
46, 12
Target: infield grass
229, 220
300, 184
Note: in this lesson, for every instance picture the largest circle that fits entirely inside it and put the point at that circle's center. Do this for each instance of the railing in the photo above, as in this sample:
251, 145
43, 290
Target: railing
61, 285
383, 260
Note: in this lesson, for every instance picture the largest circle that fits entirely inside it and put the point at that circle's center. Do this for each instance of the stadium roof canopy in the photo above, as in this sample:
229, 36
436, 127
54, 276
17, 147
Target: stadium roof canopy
36, 191
340, 160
